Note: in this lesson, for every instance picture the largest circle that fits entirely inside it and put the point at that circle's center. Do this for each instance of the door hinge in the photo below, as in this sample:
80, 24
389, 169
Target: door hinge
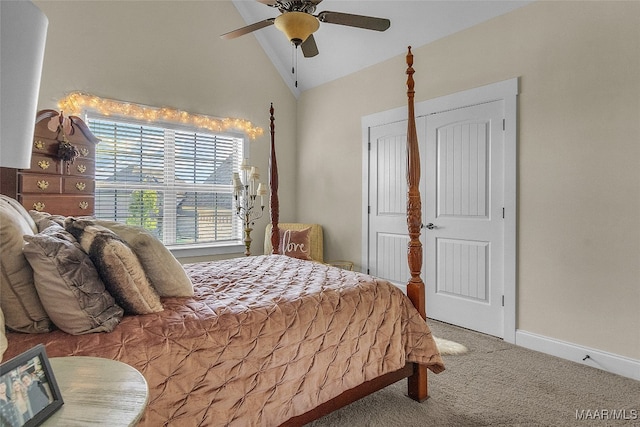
369, 210
504, 124
502, 213
369, 146
503, 300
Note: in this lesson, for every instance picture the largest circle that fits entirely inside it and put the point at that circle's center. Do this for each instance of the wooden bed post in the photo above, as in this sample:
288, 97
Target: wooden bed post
274, 203
417, 383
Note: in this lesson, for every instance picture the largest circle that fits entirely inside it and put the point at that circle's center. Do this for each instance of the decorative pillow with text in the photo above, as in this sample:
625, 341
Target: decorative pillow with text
295, 243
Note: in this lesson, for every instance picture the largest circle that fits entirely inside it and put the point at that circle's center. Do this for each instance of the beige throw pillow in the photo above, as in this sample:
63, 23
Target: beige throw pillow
3, 336
117, 265
19, 300
163, 270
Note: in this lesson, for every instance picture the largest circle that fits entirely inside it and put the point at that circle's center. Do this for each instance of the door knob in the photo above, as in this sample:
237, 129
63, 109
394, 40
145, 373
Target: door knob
430, 226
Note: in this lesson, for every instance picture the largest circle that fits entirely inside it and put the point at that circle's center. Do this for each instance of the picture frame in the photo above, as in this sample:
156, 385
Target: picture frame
29, 393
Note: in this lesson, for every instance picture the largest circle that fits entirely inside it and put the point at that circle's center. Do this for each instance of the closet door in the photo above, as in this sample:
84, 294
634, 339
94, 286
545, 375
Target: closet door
388, 238
463, 229
462, 189
467, 144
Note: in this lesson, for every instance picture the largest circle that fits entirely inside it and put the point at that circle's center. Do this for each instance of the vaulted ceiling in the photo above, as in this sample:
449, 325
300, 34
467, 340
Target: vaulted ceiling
345, 50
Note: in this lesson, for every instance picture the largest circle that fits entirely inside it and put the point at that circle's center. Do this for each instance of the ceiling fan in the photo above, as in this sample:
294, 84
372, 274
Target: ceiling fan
297, 22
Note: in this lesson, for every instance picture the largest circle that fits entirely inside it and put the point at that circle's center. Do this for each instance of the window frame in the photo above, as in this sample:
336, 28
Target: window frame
194, 249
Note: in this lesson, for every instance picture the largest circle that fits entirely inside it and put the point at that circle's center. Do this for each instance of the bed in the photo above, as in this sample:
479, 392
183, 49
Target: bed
256, 341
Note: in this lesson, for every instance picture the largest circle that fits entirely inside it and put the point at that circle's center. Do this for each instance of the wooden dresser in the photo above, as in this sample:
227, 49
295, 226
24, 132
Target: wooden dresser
50, 184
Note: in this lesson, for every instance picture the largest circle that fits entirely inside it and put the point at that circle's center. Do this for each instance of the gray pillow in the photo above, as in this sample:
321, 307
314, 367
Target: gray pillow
117, 265
44, 219
68, 284
163, 270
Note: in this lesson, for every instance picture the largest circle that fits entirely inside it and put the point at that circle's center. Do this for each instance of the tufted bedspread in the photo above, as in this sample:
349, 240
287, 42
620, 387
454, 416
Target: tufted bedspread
264, 339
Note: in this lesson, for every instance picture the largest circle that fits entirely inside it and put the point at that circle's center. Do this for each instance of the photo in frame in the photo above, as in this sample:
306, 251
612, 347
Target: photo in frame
29, 393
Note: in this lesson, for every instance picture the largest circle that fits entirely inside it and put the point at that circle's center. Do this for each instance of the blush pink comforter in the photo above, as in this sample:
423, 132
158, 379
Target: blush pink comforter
264, 339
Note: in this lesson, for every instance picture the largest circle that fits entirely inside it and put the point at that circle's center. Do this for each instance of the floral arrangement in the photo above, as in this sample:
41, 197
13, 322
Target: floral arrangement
67, 151
64, 126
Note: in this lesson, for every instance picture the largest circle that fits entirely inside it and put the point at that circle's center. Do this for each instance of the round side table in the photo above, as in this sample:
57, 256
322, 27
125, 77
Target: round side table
97, 391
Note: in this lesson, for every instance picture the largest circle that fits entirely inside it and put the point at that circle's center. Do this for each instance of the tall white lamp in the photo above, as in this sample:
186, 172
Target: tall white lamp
23, 33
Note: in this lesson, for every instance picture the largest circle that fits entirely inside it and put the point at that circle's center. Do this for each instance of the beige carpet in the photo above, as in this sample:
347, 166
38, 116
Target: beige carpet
499, 384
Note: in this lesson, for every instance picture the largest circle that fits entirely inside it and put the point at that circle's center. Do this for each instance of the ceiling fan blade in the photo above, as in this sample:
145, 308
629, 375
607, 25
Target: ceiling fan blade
309, 47
248, 29
359, 21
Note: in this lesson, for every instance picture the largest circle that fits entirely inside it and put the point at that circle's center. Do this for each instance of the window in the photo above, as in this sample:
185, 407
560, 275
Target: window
174, 182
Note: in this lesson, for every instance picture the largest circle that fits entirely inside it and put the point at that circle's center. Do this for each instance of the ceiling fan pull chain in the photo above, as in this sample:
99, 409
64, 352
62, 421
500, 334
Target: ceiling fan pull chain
294, 62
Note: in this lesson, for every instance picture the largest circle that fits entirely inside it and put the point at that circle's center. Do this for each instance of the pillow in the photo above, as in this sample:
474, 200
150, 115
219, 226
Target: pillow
3, 336
19, 210
117, 265
68, 284
19, 300
163, 270
43, 219
295, 243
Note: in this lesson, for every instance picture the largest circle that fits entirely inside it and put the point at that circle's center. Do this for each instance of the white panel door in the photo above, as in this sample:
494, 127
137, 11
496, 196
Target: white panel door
463, 231
388, 238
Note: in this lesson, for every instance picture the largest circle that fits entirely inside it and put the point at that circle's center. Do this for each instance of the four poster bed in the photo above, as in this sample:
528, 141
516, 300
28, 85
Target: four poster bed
264, 341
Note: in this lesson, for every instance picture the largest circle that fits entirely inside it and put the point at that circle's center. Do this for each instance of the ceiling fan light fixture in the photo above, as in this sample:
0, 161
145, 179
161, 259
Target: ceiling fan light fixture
297, 26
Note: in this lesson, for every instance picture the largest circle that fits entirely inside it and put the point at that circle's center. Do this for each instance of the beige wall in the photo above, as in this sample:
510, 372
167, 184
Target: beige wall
579, 131
578, 161
169, 54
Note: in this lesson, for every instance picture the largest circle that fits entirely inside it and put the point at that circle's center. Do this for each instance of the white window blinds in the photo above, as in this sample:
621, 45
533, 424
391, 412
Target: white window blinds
176, 183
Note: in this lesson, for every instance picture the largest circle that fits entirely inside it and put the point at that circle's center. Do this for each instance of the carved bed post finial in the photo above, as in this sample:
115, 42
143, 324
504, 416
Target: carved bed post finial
417, 383
274, 203
414, 203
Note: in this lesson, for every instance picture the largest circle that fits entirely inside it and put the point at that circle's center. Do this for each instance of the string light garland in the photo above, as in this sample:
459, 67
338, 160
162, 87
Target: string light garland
75, 103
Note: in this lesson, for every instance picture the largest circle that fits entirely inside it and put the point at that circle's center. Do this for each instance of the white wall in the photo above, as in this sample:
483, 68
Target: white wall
578, 161
169, 53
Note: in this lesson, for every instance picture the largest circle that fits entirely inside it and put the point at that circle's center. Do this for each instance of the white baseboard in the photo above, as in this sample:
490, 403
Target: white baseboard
609, 362
620, 365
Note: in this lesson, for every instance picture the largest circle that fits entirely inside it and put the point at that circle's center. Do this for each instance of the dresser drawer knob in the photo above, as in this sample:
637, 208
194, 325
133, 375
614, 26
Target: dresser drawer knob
43, 185
84, 151
81, 185
81, 168
83, 205
38, 145
38, 206
44, 164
